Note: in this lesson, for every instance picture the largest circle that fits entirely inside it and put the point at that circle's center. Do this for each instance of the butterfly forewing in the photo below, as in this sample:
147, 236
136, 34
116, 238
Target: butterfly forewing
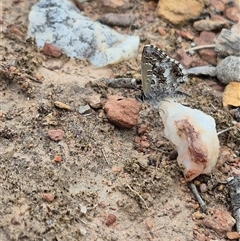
161, 75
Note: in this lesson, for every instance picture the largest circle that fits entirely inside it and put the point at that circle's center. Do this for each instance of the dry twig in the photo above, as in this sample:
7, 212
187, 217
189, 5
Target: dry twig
138, 196
195, 192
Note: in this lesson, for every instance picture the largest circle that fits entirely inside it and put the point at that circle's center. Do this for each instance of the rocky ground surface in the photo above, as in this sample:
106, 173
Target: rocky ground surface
68, 173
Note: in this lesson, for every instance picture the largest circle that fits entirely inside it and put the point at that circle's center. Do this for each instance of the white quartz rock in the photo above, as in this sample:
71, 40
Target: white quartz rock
194, 135
59, 22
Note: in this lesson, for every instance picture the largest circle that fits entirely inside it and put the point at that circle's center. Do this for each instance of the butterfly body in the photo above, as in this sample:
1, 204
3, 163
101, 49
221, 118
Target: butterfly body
161, 75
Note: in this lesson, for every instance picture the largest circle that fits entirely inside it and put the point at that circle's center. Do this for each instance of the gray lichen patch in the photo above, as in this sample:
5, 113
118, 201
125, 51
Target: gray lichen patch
62, 24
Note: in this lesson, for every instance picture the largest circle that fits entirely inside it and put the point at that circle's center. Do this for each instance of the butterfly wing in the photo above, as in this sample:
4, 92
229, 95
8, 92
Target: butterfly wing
161, 75
146, 71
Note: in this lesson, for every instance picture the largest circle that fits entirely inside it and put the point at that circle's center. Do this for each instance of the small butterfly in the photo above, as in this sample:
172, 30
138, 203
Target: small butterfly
161, 75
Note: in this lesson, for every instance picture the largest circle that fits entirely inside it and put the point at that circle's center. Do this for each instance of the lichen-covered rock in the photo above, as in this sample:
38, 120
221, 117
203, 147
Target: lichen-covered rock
60, 23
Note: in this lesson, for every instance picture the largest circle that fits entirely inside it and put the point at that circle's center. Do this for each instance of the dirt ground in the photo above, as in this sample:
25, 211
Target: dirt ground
101, 172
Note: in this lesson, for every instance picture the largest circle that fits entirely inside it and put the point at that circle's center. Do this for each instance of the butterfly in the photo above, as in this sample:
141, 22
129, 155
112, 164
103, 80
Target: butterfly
161, 75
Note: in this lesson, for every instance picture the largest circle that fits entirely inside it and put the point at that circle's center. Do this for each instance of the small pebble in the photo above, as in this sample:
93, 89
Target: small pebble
197, 215
62, 105
16, 220
56, 135
48, 197
203, 187
220, 188
116, 169
145, 144
233, 235
149, 223
51, 50
142, 129
111, 218
57, 159
84, 110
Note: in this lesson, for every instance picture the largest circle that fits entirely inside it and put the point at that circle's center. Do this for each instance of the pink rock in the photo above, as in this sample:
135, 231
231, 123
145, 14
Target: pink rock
111, 219
142, 129
187, 35
209, 55
51, 50
183, 58
121, 111
232, 14
162, 31
145, 144
16, 220
221, 222
48, 197
205, 38
56, 135
218, 5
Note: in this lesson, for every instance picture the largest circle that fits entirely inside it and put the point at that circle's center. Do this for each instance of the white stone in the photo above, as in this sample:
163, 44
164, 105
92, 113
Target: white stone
193, 134
59, 22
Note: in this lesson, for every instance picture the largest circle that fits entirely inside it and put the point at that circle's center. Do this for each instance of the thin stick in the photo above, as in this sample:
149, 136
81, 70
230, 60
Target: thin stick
138, 196
220, 132
195, 192
105, 157
201, 47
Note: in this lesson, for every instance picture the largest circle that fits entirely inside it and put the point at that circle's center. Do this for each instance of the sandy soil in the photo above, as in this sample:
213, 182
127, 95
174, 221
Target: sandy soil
101, 171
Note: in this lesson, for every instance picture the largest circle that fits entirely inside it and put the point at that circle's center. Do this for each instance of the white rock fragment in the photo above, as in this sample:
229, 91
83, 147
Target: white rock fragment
60, 23
194, 136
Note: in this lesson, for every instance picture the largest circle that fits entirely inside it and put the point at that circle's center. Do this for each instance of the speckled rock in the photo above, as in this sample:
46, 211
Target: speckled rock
228, 69
60, 23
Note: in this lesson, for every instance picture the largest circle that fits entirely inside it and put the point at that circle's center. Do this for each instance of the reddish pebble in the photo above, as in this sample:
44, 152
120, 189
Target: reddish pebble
218, 5
149, 223
57, 159
142, 129
186, 35
116, 169
16, 220
161, 31
51, 50
233, 235
137, 139
56, 135
145, 144
232, 14
16, 31
48, 197
111, 218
